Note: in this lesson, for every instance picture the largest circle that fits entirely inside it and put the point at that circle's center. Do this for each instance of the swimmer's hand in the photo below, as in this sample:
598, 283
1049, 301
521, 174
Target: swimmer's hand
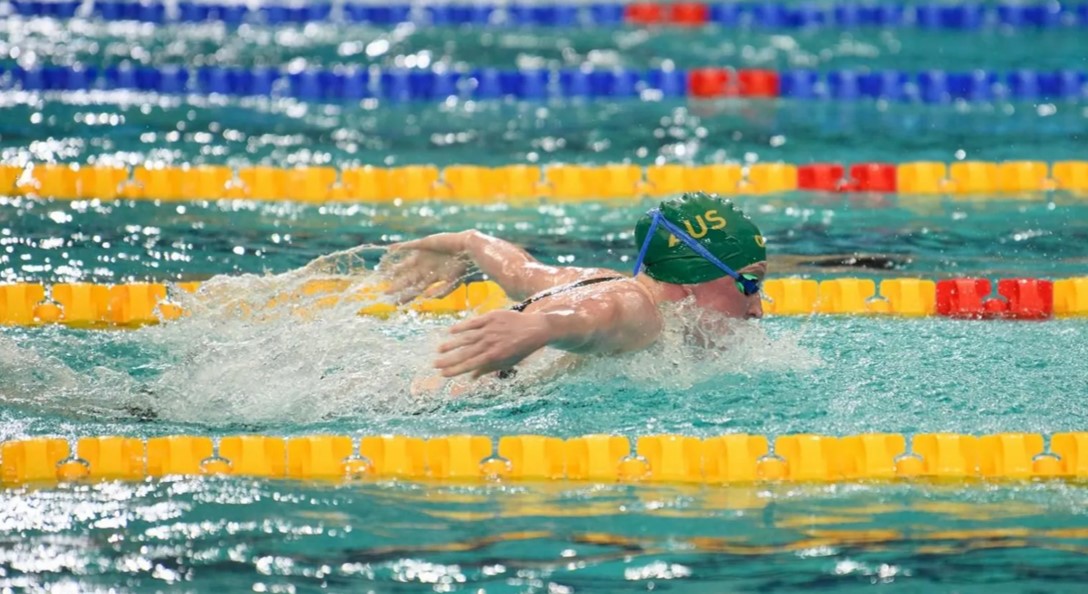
491, 342
430, 267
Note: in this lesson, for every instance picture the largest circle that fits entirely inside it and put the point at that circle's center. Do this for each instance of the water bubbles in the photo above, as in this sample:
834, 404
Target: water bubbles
60, 217
377, 48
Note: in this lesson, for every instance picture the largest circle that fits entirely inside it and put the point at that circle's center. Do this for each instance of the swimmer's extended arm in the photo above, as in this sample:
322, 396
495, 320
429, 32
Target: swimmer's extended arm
519, 274
606, 322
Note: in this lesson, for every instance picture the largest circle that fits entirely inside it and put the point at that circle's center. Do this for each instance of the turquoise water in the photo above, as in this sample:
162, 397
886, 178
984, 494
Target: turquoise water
47, 41
221, 372
813, 235
131, 128
267, 537
340, 374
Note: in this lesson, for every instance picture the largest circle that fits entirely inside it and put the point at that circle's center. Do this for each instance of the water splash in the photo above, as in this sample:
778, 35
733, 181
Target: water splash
291, 348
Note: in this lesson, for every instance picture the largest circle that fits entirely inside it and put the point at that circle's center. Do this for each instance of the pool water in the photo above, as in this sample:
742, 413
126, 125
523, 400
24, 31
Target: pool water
127, 127
219, 372
268, 537
812, 234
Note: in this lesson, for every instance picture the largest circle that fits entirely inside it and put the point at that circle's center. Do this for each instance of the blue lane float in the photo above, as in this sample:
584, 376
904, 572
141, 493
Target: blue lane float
767, 15
404, 85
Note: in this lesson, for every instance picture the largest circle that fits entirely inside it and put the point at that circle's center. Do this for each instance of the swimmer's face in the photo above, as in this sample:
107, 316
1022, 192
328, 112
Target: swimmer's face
722, 296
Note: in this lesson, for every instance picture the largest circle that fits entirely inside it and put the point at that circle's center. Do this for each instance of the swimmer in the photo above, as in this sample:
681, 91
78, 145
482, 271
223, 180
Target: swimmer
698, 247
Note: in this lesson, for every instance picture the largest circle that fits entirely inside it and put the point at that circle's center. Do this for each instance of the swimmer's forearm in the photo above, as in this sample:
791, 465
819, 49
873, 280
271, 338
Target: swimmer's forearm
518, 273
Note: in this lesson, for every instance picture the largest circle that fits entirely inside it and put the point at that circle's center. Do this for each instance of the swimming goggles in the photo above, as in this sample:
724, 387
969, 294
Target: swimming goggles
747, 284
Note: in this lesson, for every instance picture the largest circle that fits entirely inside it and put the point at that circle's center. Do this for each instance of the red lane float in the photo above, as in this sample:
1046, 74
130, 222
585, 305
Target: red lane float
873, 177
826, 177
644, 13
681, 13
1017, 298
720, 82
962, 297
708, 82
689, 14
1027, 298
759, 83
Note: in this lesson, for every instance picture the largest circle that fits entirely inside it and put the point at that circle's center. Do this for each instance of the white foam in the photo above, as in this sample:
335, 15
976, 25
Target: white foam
239, 357
674, 363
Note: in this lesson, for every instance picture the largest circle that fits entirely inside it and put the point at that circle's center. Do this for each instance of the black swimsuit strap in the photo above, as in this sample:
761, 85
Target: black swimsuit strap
563, 289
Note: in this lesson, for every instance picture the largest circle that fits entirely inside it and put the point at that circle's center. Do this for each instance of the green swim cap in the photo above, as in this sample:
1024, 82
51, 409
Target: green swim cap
717, 224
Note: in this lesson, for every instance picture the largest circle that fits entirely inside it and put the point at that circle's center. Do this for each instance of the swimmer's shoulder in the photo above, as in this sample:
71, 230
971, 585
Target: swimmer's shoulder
634, 320
636, 312
631, 294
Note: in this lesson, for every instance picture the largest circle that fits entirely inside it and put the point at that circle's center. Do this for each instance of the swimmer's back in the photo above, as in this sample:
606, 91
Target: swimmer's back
565, 288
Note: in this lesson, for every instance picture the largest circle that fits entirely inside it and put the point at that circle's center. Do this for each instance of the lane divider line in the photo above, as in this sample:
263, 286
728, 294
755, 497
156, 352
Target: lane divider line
471, 184
719, 460
88, 305
398, 85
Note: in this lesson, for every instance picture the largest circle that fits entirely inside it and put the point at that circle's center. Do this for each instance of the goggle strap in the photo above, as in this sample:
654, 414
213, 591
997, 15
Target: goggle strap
646, 243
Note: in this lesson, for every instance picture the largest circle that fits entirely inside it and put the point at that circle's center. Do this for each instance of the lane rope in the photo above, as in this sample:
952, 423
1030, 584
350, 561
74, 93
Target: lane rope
87, 305
720, 460
397, 85
471, 184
